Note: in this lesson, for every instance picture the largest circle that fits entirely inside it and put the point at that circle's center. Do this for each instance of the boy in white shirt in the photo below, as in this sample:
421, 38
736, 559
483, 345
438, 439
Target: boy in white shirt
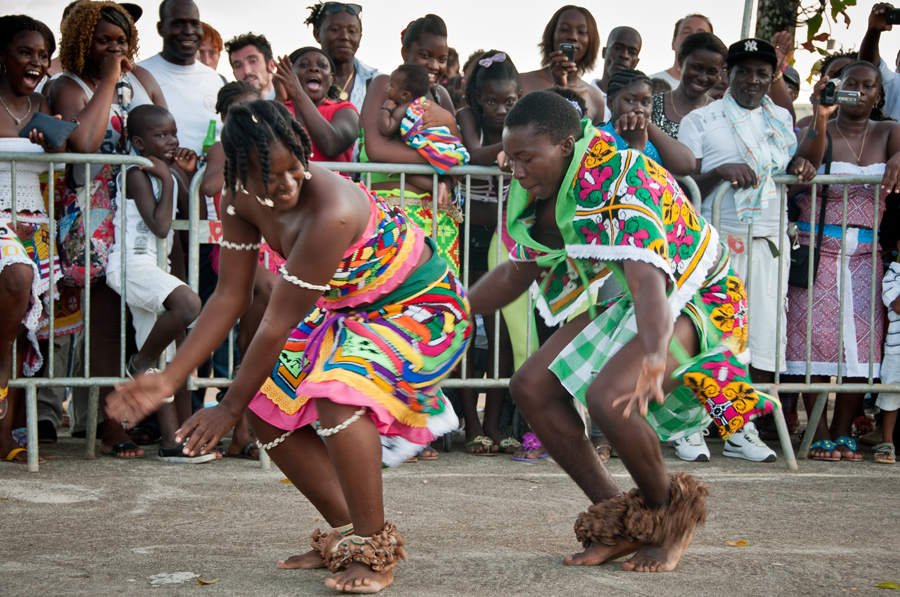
150, 291
889, 403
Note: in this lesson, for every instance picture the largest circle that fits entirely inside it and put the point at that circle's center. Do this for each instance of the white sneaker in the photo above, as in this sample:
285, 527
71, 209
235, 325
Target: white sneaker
692, 448
746, 444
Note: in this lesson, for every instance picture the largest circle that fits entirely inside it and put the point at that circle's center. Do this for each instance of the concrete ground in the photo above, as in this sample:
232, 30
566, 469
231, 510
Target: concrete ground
474, 526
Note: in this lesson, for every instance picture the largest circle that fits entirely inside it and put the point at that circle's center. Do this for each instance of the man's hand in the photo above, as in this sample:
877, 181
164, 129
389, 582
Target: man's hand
878, 17
739, 175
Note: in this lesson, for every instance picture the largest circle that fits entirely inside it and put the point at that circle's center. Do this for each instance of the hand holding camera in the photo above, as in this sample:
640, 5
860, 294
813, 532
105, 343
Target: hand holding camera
832, 95
563, 69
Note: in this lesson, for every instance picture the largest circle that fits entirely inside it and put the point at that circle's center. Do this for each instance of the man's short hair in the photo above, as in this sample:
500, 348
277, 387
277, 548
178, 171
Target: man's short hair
691, 16
249, 39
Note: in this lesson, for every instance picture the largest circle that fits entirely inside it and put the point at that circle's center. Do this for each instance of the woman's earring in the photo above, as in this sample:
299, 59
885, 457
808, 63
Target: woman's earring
307, 175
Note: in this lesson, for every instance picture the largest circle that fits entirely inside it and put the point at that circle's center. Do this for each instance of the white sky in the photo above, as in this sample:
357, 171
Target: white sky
514, 27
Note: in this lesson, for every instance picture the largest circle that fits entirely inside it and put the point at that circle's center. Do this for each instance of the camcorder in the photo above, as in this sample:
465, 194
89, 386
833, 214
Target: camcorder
833, 94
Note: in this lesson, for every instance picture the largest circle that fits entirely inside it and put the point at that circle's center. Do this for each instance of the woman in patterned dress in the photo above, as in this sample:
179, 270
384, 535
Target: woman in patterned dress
860, 146
364, 323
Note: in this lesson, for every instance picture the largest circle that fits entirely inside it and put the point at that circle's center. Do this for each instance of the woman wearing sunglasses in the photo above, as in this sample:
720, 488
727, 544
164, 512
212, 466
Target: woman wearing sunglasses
337, 27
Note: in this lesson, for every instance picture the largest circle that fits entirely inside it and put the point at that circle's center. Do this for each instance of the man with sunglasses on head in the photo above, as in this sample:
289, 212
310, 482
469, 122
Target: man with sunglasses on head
337, 27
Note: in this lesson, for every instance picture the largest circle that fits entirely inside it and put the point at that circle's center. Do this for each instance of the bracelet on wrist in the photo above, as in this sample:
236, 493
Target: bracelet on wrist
388, 109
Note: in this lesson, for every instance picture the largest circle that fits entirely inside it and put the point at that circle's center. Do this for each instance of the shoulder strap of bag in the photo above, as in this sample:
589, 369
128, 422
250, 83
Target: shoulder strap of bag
824, 195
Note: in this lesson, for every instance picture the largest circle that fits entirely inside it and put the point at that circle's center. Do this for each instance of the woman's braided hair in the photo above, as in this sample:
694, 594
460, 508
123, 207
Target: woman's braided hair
250, 129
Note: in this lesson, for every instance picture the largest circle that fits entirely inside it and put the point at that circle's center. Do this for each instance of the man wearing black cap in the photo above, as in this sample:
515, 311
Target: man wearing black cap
744, 139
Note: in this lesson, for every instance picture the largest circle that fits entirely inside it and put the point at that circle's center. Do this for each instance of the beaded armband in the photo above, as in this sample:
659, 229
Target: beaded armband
298, 282
225, 244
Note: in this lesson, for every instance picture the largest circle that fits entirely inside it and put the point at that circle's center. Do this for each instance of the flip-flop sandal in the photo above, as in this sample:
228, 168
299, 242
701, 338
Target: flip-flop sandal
144, 435
122, 446
887, 452
482, 440
823, 444
426, 455
509, 442
531, 442
245, 452
603, 451
15, 452
851, 445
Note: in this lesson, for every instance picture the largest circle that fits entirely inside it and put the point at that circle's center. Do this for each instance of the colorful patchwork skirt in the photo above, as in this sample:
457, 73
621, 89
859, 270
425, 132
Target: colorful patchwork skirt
716, 382
388, 357
419, 209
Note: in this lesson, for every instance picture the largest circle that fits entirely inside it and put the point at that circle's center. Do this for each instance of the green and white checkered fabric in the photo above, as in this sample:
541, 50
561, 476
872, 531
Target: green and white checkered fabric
576, 366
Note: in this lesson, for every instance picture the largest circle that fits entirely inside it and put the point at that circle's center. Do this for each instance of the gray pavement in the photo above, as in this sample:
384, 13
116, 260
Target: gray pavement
474, 526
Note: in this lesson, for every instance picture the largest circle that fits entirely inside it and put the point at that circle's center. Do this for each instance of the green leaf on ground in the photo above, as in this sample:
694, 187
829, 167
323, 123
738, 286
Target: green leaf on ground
887, 585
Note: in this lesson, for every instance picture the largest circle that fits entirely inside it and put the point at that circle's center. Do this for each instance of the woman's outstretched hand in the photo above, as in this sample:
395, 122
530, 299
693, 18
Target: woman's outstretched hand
287, 84
205, 428
647, 388
132, 402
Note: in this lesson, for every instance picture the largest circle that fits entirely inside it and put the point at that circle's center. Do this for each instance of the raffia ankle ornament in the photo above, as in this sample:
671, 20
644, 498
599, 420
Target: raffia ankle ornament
628, 518
382, 551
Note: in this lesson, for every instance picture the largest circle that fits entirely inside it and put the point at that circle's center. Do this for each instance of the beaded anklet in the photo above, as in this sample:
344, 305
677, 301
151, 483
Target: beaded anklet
275, 441
342, 426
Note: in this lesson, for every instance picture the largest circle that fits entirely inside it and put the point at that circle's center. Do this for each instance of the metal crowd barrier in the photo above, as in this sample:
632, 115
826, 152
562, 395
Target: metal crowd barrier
808, 386
206, 232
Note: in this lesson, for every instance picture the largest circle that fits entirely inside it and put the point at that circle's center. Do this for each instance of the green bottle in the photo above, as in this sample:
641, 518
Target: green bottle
210, 137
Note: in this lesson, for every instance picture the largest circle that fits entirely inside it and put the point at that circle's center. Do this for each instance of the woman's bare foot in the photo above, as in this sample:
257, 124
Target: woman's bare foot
597, 553
359, 578
656, 558
307, 561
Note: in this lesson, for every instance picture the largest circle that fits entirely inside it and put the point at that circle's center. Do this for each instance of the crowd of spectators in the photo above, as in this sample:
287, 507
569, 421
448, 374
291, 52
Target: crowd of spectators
722, 112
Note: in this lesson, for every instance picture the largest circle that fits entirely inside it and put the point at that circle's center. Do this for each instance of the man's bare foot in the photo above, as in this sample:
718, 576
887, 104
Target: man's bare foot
307, 561
597, 553
655, 558
359, 578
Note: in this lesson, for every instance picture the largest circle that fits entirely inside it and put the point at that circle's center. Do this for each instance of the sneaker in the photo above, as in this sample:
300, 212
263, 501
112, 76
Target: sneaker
175, 454
692, 448
746, 444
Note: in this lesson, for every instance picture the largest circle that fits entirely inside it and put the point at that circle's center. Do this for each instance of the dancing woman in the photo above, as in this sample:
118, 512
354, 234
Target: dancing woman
363, 324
